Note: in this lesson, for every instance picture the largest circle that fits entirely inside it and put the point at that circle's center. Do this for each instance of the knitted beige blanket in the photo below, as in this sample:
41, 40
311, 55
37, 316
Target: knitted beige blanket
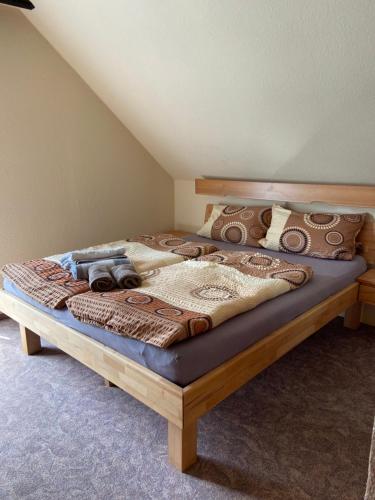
187, 299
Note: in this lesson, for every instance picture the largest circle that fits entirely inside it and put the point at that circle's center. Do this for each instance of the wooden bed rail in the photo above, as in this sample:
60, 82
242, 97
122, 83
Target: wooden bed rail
206, 392
145, 385
180, 406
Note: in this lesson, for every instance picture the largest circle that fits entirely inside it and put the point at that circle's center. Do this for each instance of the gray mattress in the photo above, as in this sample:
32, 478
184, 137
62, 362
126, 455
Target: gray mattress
186, 361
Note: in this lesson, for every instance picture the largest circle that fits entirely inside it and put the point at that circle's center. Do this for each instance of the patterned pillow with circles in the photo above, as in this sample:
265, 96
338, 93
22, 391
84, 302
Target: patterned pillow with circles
236, 224
321, 235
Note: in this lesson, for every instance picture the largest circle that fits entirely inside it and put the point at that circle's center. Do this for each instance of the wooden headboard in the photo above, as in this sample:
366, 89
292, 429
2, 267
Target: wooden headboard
332, 194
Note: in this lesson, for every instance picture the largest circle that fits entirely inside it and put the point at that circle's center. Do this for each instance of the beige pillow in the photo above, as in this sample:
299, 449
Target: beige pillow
237, 224
325, 236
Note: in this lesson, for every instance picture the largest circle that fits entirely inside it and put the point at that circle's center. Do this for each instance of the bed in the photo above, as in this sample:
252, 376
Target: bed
182, 383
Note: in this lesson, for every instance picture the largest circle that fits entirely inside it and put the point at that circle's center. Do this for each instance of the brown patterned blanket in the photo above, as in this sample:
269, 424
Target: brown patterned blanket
45, 281
177, 249
187, 299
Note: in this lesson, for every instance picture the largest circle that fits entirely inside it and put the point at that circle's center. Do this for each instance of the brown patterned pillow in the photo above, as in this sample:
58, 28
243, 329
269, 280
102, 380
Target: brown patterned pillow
241, 225
325, 236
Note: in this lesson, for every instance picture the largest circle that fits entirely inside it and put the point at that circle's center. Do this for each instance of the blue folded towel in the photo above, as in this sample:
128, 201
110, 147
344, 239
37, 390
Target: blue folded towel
78, 262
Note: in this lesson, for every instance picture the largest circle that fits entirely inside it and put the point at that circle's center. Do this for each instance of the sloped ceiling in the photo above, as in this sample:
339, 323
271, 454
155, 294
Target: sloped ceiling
235, 88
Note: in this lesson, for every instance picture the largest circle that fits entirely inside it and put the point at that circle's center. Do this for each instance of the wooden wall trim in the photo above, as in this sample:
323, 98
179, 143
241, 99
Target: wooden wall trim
336, 194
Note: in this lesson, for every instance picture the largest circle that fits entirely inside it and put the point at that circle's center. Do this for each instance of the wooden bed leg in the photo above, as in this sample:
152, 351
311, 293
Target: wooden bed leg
108, 383
182, 445
353, 316
30, 341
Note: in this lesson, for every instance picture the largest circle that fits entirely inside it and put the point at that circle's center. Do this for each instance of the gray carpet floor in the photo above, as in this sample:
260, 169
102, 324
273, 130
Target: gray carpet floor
300, 430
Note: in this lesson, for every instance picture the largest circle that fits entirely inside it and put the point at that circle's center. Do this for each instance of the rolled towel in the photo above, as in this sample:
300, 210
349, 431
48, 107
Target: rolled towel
81, 270
100, 278
126, 276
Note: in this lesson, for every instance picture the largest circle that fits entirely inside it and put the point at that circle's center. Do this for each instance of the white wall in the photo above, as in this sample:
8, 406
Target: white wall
70, 173
275, 89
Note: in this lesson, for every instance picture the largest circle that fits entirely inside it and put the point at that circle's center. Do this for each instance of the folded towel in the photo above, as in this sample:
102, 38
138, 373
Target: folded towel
126, 276
79, 261
92, 255
100, 278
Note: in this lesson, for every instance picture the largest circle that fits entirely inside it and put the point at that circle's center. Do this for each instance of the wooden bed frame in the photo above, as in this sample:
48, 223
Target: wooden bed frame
183, 406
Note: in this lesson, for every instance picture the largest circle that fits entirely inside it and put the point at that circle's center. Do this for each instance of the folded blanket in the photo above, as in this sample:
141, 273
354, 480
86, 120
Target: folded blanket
148, 252
187, 299
45, 281
100, 278
164, 242
126, 276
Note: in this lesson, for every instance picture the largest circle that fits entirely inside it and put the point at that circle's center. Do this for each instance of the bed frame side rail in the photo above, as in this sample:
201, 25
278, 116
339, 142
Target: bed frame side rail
145, 385
206, 392
180, 406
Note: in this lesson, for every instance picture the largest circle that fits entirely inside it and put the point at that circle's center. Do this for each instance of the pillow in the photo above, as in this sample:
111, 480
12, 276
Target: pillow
325, 236
241, 225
